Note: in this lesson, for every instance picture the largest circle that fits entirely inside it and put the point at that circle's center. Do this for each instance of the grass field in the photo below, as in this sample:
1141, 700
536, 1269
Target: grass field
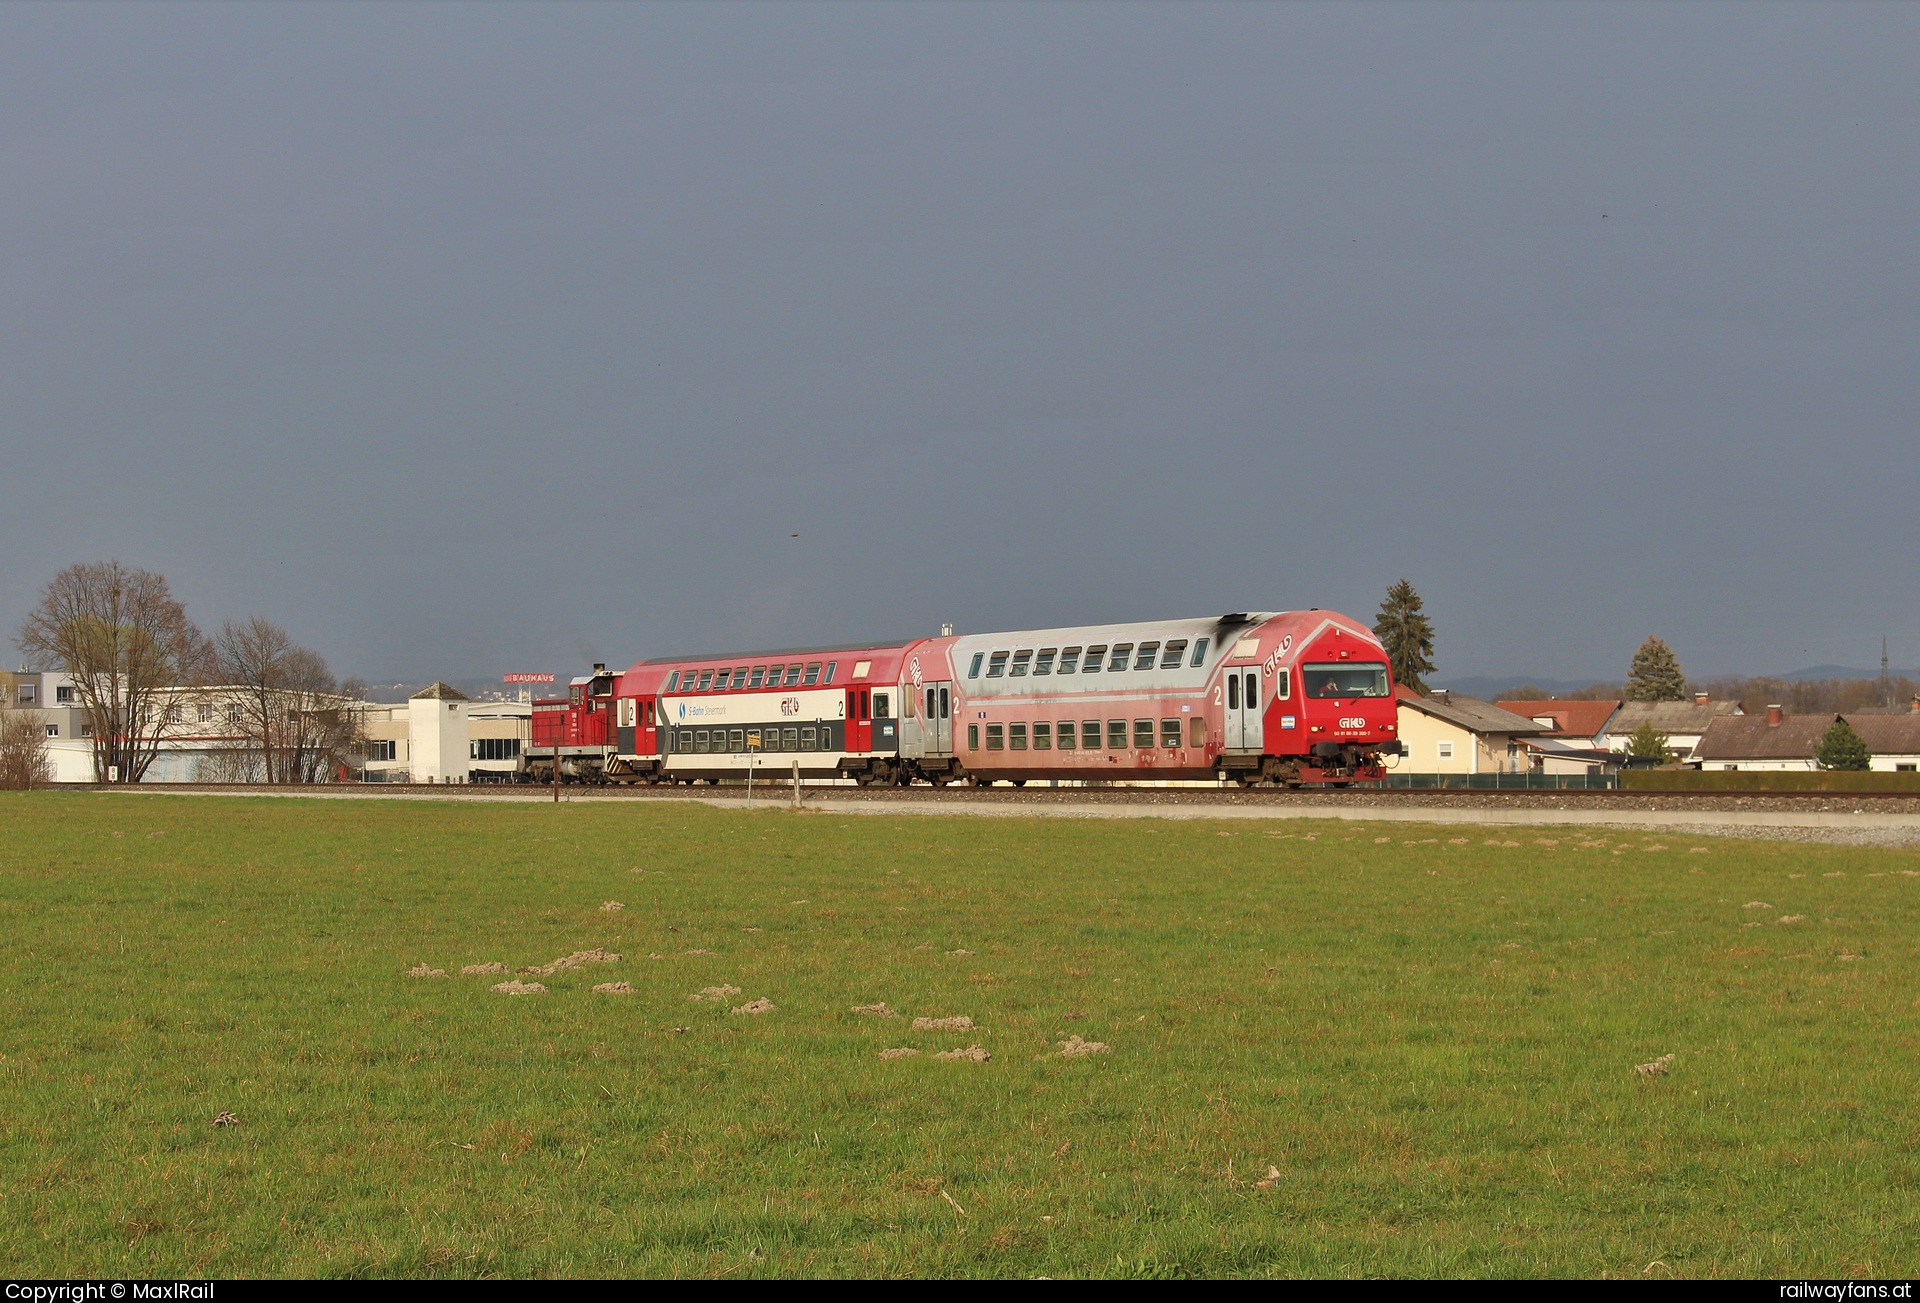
1336, 1049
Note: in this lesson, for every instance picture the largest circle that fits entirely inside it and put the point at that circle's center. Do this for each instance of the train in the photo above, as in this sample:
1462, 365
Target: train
1289, 698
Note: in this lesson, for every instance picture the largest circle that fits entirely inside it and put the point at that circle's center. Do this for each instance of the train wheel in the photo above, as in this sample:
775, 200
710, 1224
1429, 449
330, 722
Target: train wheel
1018, 782
971, 780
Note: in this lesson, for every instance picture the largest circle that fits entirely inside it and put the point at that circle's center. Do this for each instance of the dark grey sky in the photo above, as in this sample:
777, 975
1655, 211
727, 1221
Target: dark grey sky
469, 339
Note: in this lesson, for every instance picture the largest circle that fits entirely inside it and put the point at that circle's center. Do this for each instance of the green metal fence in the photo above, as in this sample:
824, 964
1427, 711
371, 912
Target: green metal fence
1528, 782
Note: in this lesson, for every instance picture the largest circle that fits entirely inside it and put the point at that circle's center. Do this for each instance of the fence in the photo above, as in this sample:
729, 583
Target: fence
1525, 782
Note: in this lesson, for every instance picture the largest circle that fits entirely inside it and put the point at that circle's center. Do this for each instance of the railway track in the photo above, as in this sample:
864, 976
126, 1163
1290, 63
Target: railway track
1400, 797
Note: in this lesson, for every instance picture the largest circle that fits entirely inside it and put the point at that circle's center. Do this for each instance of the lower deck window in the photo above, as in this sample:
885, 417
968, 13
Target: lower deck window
1116, 735
1066, 734
789, 739
996, 740
1196, 733
1170, 733
737, 740
1043, 737
1017, 737
973, 737
809, 740
1089, 735
1143, 735
700, 740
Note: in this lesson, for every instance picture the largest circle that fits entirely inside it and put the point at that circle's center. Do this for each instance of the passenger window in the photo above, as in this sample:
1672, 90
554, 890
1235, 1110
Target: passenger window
1170, 734
1148, 650
1176, 651
1089, 735
1233, 692
866, 705
831, 667
672, 679
945, 704
738, 740
759, 676
1021, 659
1068, 655
933, 704
1043, 663
793, 676
1043, 737
1253, 689
1282, 684
789, 739
740, 677
882, 706
973, 737
1196, 733
1199, 653
1118, 661
700, 740
1017, 737
807, 739
973, 670
1143, 735
997, 666
720, 677
1066, 735
770, 740
1091, 665
995, 740
706, 677
1116, 735
813, 675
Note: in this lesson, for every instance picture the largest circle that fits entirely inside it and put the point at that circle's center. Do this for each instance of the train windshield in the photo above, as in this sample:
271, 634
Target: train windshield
1345, 680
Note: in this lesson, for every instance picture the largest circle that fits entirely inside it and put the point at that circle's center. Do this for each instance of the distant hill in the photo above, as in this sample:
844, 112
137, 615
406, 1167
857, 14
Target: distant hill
1494, 687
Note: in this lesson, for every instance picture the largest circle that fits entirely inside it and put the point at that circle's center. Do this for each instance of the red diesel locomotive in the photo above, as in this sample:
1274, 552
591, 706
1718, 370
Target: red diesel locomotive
1289, 698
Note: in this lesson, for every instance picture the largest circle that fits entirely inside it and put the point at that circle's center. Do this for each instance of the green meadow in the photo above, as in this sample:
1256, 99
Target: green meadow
1332, 1049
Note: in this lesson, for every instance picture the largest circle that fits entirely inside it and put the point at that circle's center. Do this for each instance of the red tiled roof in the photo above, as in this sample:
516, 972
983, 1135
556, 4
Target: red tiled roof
1570, 718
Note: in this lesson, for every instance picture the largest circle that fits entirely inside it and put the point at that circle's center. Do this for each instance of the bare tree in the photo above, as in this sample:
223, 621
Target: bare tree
292, 716
124, 640
24, 763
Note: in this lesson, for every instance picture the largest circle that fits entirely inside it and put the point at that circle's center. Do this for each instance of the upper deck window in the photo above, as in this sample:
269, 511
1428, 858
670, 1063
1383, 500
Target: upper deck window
672, 679
1148, 650
1095, 653
997, 666
706, 677
831, 667
793, 675
973, 670
740, 677
1118, 661
1043, 663
1022, 659
1175, 652
1069, 658
759, 676
1199, 653
1345, 680
813, 674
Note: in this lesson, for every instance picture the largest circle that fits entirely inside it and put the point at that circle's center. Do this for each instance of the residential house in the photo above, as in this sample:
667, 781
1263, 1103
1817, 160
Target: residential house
1571, 744
1446, 733
1778, 741
1683, 722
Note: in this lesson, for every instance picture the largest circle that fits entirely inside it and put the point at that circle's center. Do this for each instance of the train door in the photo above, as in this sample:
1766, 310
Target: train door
1243, 710
857, 725
936, 727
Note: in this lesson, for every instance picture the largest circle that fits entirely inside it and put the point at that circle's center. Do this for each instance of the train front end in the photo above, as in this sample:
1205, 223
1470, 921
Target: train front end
1331, 716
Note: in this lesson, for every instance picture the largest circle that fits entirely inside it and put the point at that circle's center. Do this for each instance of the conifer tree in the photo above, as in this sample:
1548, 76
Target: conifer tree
1407, 635
1842, 748
1649, 743
1655, 674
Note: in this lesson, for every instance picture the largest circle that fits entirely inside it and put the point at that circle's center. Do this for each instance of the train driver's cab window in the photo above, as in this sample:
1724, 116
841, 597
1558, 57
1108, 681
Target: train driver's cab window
1091, 665
997, 665
1118, 661
1175, 652
759, 676
740, 677
1344, 680
882, 705
1069, 658
1199, 653
706, 677
813, 675
1043, 662
1022, 659
973, 670
1148, 650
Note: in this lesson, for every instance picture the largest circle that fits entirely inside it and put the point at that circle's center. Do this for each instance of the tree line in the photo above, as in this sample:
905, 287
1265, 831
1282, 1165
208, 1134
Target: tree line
140, 667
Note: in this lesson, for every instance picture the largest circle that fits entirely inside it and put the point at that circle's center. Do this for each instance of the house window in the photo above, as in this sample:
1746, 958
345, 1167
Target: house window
63, 695
996, 738
26, 694
1444, 750
496, 748
173, 712
1903, 769
53, 730
1017, 737
204, 714
383, 750
86, 730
